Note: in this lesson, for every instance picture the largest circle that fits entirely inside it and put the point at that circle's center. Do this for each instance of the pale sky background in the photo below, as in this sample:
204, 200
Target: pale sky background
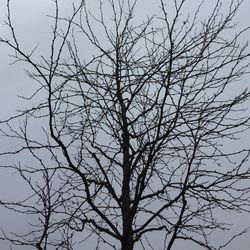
32, 28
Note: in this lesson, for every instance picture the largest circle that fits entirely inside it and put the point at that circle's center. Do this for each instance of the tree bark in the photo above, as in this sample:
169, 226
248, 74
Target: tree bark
128, 242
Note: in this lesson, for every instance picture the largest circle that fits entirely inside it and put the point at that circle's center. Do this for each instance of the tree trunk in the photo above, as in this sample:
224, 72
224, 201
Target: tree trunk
128, 242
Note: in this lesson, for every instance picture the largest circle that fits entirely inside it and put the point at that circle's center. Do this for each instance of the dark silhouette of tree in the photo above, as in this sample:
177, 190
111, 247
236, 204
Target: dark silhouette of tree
136, 118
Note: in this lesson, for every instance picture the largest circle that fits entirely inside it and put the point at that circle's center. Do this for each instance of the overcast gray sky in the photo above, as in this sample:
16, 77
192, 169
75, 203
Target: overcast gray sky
31, 24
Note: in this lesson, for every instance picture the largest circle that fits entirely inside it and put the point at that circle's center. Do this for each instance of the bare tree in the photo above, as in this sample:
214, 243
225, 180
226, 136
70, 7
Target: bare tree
136, 117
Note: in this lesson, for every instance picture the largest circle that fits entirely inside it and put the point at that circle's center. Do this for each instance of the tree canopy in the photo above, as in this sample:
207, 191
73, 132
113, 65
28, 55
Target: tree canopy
135, 119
